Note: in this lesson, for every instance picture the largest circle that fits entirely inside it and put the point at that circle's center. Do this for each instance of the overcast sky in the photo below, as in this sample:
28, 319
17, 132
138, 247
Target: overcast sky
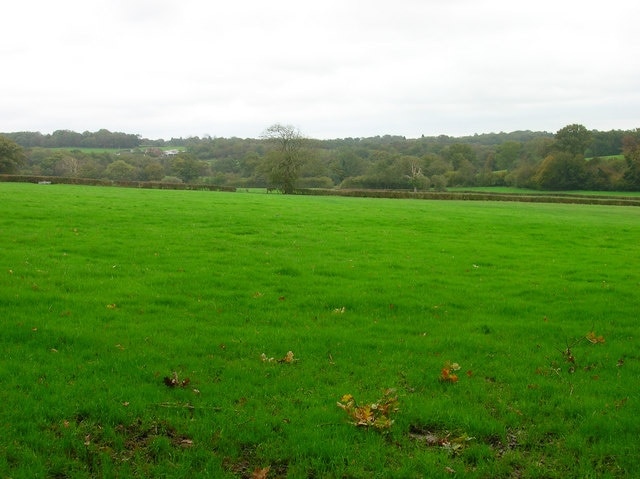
331, 68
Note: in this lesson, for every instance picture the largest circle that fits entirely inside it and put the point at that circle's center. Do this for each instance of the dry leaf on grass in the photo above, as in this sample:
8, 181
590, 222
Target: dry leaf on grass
288, 358
593, 339
260, 473
174, 381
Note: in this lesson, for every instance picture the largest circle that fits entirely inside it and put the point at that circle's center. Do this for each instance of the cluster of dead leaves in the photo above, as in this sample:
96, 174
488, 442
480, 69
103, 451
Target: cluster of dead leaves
593, 339
376, 415
590, 336
448, 372
453, 443
288, 358
569, 357
173, 381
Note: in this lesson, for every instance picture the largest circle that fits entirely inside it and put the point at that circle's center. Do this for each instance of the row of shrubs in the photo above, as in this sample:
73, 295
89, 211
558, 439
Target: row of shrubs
156, 185
368, 193
477, 196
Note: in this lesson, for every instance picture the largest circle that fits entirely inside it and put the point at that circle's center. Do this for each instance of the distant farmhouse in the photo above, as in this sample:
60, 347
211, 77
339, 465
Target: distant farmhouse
160, 152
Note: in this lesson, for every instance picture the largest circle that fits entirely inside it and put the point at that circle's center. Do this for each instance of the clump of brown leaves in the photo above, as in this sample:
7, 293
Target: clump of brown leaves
593, 339
448, 372
173, 381
454, 443
376, 415
288, 358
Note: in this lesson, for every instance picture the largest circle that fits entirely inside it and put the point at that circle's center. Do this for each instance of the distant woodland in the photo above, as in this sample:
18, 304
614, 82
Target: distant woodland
574, 158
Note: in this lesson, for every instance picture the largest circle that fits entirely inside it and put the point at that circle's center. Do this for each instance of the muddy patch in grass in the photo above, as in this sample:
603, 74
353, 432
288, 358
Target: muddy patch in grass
90, 442
248, 466
436, 436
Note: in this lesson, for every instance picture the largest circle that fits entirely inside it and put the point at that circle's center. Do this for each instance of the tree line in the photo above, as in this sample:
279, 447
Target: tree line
573, 158
71, 139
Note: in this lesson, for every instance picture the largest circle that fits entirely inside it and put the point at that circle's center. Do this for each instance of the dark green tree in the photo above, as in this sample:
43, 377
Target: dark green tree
285, 157
345, 163
573, 139
562, 171
507, 154
120, 170
606, 143
152, 171
631, 151
186, 167
459, 155
12, 156
605, 174
65, 138
436, 165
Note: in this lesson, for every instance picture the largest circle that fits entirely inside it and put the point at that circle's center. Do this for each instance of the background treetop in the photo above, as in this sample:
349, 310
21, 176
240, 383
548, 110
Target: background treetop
282, 158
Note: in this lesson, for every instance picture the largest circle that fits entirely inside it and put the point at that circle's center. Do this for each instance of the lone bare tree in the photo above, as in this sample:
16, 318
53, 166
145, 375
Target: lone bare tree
417, 178
286, 156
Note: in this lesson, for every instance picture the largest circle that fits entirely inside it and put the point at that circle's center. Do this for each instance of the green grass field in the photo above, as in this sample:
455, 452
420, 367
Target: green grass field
114, 151
134, 324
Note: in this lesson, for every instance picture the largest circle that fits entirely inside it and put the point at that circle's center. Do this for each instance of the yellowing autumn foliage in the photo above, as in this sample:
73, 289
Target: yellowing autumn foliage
376, 415
447, 373
593, 339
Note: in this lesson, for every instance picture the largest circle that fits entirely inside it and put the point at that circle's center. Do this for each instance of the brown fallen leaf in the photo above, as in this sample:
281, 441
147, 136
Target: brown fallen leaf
288, 358
260, 473
593, 339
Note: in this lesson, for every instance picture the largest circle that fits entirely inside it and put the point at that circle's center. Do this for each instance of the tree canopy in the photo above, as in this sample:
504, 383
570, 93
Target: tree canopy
70, 139
573, 139
285, 157
572, 158
11, 156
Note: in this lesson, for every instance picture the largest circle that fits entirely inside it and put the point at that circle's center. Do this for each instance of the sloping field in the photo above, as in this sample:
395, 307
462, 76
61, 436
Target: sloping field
150, 333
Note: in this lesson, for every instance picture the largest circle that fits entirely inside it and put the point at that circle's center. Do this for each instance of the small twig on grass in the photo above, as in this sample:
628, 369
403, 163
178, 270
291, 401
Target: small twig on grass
186, 406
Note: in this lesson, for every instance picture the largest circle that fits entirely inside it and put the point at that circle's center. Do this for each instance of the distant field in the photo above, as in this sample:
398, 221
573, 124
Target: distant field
91, 150
117, 150
513, 190
609, 157
139, 326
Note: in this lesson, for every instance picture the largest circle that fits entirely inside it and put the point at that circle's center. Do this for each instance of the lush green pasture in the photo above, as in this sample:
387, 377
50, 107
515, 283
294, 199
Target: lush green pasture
104, 292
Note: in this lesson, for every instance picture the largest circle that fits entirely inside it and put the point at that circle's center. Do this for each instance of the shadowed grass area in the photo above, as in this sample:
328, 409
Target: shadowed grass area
106, 292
